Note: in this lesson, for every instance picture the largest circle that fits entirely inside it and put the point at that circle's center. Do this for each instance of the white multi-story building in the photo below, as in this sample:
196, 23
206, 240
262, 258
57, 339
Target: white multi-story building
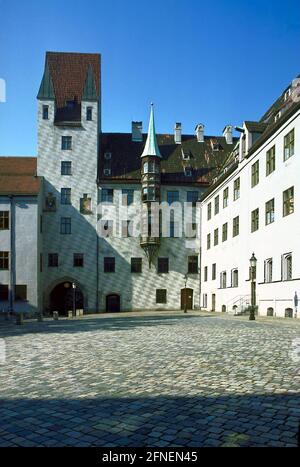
253, 207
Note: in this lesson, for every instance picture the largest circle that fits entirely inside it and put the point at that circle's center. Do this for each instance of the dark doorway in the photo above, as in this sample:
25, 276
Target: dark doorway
213, 302
63, 298
113, 303
187, 297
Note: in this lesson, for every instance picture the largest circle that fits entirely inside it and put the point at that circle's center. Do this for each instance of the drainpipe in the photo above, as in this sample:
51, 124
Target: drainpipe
200, 257
12, 256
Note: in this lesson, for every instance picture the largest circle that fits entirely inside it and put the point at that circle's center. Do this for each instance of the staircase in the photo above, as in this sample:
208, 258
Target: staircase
239, 305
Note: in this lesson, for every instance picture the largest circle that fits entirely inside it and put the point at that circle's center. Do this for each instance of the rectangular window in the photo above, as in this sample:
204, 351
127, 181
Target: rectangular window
65, 225
217, 202
205, 274
209, 211
161, 295
234, 278
269, 270
4, 260
109, 264
208, 241
136, 264
4, 220
20, 292
270, 161
3, 292
236, 226
204, 300
66, 143
224, 232
223, 280
287, 267
89, 113
192, 197
216, 237
172, 196
163, 265
65, 196
45, 112
53, 260
225, 197
270, 211
78, 260
193, 264
289, 145
255, 174
236, 189
213, 271
66, 168
127, 197
255, 220
107, 195
288, 201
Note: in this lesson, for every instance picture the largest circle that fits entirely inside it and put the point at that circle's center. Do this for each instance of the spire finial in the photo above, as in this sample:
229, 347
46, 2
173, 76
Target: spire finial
151, 146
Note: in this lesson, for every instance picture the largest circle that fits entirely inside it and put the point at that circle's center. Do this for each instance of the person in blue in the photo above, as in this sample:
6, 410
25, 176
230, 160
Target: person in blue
296, 303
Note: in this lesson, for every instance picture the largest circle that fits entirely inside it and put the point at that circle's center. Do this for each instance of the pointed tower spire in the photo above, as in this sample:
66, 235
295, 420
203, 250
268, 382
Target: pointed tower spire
151, 147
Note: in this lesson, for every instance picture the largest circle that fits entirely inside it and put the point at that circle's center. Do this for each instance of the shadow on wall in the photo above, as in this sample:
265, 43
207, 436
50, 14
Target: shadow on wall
225, 420
83, 239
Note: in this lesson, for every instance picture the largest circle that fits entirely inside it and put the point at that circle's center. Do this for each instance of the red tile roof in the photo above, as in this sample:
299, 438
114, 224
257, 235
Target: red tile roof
18, 176
69, 71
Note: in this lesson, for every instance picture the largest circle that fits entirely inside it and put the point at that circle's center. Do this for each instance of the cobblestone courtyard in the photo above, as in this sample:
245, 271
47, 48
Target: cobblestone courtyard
150, 380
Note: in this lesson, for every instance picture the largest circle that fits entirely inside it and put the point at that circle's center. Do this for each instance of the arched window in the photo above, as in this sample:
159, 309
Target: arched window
287, 267
268, 270
145, 167
270, 311
235, 278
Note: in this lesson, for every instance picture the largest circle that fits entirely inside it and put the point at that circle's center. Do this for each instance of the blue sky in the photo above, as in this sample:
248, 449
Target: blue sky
200, 62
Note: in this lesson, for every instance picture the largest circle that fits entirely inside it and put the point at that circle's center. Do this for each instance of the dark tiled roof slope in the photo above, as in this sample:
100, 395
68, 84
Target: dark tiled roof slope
125, 163
18, 176
69, 72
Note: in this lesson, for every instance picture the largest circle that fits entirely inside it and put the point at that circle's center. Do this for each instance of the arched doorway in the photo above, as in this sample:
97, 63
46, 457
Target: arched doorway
113, 303
187, 298
64, 298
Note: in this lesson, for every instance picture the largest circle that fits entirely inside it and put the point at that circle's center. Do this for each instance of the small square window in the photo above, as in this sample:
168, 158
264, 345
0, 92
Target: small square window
66, 168
3, 292
4, 220
65, 196
4, 260
163, 265
136, 265
53, 260
161, 295
193, 264
66, 143
78, 260
65, 225
109, 264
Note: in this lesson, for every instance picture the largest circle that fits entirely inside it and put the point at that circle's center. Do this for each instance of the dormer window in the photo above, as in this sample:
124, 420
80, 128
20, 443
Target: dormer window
70, 104
185, 155
278, 115
287, 94
107, 156
188, 172
107, 172
215, 146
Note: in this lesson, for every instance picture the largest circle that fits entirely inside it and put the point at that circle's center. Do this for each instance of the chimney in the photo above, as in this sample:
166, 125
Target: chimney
137, 131
227, 133
200, 132
177, 134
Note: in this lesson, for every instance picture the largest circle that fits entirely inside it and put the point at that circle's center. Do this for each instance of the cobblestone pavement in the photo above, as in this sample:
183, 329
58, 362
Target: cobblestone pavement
150, 380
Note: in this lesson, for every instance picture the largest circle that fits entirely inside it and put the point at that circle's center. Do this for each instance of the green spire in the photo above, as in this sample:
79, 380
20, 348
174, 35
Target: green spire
46, 90
89, 90
151, 146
